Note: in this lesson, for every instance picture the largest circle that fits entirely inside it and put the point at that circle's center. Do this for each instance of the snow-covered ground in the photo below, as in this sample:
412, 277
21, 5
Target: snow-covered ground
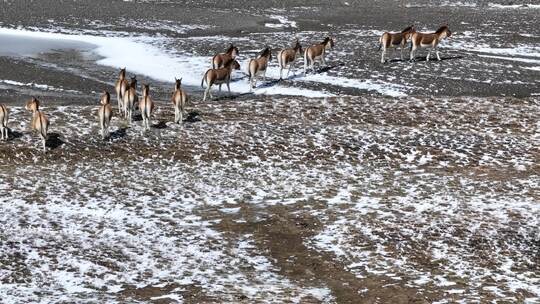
437, 195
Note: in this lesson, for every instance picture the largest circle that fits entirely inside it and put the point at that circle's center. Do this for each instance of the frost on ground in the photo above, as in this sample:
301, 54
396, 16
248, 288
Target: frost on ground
277, 200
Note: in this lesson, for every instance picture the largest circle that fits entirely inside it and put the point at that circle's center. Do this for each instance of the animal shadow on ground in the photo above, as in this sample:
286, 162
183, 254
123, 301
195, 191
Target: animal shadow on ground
299, 73
193, 116
236, 79
328, 68
54, 141
119, 133
396, 60
423, 58
137, 117
225, 96
267, 84
12, 134
160, 125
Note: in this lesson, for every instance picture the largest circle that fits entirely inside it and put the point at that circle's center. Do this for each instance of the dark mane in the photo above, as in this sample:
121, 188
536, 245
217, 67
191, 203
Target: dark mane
442, 29
264, 52
408, 28
133, 82
231, 48
228, 62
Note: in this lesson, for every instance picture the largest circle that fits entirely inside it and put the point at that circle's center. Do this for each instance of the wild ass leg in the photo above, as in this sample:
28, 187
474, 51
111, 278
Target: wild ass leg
43, 141
120, 104
291, 66
437, 53
180, 114
205, 93
382, 54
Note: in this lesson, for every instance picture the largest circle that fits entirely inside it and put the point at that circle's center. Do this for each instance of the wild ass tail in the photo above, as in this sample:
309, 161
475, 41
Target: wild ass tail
249, 69
279, 58
204, 77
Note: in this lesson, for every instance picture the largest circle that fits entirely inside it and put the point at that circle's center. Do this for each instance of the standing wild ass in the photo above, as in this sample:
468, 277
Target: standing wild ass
257, 67
429, 40
219, 60
130, 98
105, 114
316, 53
394, 40
179, 99
121, 87
146, 105
219, 76
4, 116
39, 121
287, 57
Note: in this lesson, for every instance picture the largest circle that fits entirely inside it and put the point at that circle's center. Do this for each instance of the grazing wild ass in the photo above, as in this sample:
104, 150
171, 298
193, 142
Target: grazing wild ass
287, 57
130, 98
316, 53
219, 60
4, 116
105, 114
219, 76
257, 67
39, 121
121, 87
429, 40
179, 99
394, 40
146, 105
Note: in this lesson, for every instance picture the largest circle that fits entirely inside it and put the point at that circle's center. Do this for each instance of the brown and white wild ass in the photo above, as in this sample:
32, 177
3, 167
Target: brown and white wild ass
105, 114
121, 87
146, 105
4, 117
429, 40
316, 53
394, 40
39, 120
179, 100
257, 67
219, 60
130, 98
287, 57
219, 76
